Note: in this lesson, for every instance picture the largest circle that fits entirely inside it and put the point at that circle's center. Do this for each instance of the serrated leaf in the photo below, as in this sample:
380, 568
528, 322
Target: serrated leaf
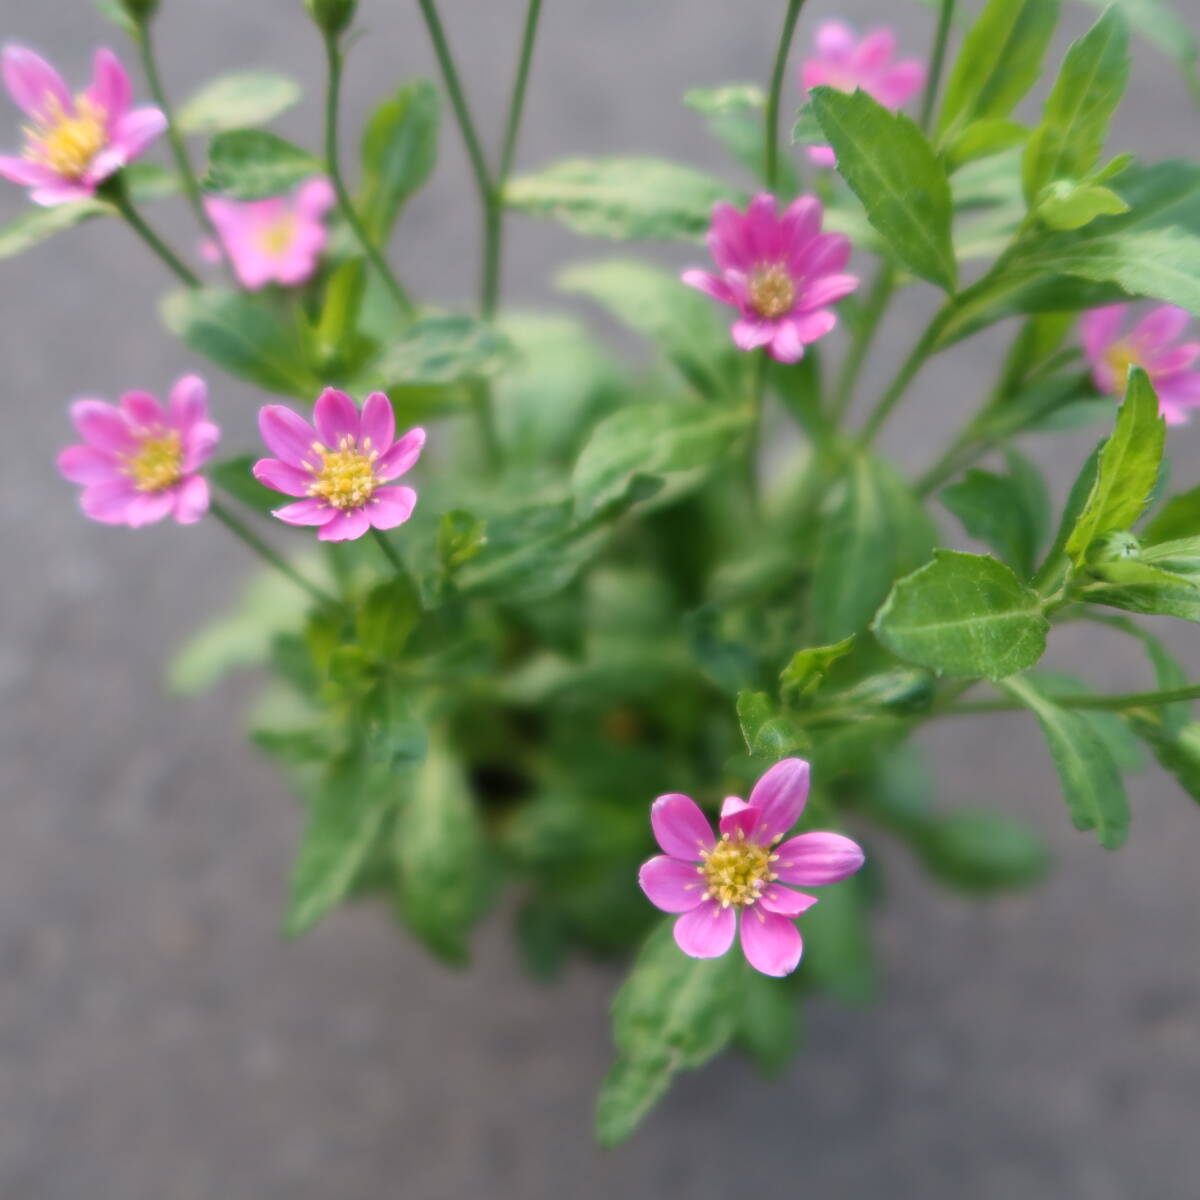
893, 170
236, 101
629, 199
964, 615
444, 349
1091, 782
252, 164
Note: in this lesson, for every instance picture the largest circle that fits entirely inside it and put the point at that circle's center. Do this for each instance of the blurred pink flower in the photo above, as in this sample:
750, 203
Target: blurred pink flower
709, 880
780, 272
339, 466
73, 142
138, 461
278, 240
1150, 345
844, 62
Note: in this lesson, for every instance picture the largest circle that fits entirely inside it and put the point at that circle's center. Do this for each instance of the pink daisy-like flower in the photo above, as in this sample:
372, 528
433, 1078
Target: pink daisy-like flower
780, 272
844, 62
340, 466
1150, 345
710, 880
139, 460
73, 142
278, 240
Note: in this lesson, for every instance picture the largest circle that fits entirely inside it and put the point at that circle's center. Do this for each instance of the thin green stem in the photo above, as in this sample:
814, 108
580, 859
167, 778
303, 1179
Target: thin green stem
771, 165
248, 537
1113, 703
904, 376
115, 192
333, 57
758, 390
864, 333
390, 553
516, 105
936, 61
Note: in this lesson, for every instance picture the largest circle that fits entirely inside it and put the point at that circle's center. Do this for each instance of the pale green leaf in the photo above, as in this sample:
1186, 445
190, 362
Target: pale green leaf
237, 101
1064, 205
443, 349
252, 164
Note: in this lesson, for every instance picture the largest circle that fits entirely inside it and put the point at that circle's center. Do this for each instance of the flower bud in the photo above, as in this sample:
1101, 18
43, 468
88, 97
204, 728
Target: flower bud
139, 10
332, 16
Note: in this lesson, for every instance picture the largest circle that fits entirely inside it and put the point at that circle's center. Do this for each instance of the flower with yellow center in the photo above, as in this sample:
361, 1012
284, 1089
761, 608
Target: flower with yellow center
771, 291
346, 477
735, 871
1120, 357
158, 462
67, 142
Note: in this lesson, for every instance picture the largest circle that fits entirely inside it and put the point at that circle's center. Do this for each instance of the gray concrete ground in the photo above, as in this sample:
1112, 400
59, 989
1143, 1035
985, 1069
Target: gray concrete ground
157, 1039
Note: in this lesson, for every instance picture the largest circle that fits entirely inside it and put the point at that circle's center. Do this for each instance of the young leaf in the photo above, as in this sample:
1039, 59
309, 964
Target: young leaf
981, 139
1091, 782
808, 668
1142, 588
237, 101
1067, 144
443, 349
629, 199
1127, 471
999, 62
964, 615
767, 732
672, 1013
892, 169
251, 164
399, 150
1066, 205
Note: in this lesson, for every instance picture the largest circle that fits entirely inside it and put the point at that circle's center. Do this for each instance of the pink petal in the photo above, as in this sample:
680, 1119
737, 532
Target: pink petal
67, 191
108, 503
291, 481
188, 402
191, 499
811, 859
770, 942
822, 156
808, 327
148, 507
739, 817
335, 416
835, 40
727, 239
823, 256
829, 289
1098, 329
32, 82
780, 796
900, 83
378, 422
752, 332
25, 173
349, 524
86, 464
672, 885
1172, 361
111, 90
875, 51
102, 425
391, 506
706, 931
717, 288
314, 198
136, 130
142, 410
784, 901
198, 445
762, 228
680, 828
1159, 328
313, 511
801, 222
288, 435
401, 456
786, 346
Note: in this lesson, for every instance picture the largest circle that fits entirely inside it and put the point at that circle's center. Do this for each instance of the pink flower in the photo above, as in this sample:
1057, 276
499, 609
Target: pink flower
272, 241
845, 63
339, 467
780, 272
73, 142
709, 881
138, 461
1148, 345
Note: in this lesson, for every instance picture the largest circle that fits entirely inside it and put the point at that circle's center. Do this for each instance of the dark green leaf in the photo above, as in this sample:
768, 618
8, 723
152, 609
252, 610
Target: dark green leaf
837, 943
1178, 517
251, 164
461, 536
996, 510
1177, 750
982, 852
236, 101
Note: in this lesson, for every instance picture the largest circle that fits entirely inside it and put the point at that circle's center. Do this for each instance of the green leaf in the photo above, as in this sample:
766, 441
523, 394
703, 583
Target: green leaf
441, 856
873, 531
769, 1023
243, 335
997, 510
1177, 751
892, 169
386, 721
233, 476
460, 537
38, 224
999, 62
1127, 471
399, 150
388, 614
982, 851
729, 98
346, 818
649, 442
808, 668
981, 139
672, 1013
444, 349
1065, 205
1091, 782
1142, 588
680, 320
235, 101
807, 129
964, 615
630, 199
1179, 517
1067, 144
767, 732
734, 115
837, 943
251, 164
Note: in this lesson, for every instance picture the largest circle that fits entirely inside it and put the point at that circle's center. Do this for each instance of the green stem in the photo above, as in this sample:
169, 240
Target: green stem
333, 57
390, 553
758, 391
907, 373
1106, 703
248, 537
115, 192
960, 454
936, 62
864, 333
771, 166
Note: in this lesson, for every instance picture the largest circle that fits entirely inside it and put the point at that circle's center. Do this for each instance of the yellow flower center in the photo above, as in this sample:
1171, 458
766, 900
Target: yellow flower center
275, 239
67, 143
772, 292
346, 477
157, 464
735, 871
1120, 357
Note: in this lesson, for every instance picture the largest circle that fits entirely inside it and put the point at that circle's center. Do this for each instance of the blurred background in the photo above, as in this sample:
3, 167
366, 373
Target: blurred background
158, 1038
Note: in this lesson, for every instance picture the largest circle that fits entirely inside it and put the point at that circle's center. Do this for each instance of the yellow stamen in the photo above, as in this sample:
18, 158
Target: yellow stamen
735, 871
1120, 357
158, 462
772, 292
346, 477
275, 239
67, 142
